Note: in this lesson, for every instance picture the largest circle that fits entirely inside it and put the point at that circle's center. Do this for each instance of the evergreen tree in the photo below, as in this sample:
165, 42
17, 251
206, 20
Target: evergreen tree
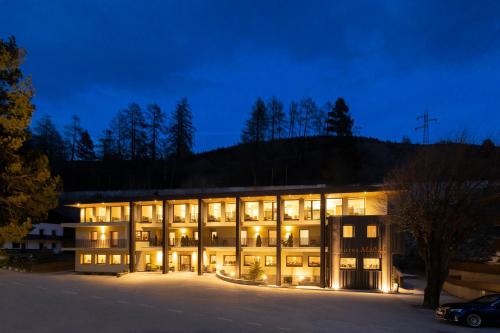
180, 131
293, 119
155, 127
106, 148
47, 140
27, 189
85, 147
256, 127
72, 133
135, 133
277, 118
339, 120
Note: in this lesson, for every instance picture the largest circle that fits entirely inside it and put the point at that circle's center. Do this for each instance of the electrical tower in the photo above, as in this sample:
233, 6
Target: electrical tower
425, 126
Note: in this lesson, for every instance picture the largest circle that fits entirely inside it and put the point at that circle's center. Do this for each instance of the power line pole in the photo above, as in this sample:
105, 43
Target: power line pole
425, 126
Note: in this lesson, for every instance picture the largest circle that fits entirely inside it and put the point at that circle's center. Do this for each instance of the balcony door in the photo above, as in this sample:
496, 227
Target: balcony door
184, 263
304, 237
114, 238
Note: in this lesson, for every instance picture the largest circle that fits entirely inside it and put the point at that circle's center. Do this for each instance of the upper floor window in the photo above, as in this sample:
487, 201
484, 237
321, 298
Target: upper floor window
116, 214
126, 216
147, 214
333, 207
180, 213
101, 214
159, 213
371, 231
348, 231
214, 212
312, 209
194, 213
251, 211
291, 209
356, 206
230, 211
269, 211
89, 214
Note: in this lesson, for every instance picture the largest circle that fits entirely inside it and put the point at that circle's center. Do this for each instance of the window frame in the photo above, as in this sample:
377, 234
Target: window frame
376, 231
211, 261
349, 268
97, 259
251, 219
364, 206
311, 210
353, 235
295, 265
308, 237
214, 219
273, 210
272, 265
182, 219
284, 210
372, 269
82, 259
111, 260
245, 263
309, 261
226, 263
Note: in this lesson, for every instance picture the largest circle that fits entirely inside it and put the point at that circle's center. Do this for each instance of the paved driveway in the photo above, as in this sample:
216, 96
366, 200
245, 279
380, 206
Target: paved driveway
183, 302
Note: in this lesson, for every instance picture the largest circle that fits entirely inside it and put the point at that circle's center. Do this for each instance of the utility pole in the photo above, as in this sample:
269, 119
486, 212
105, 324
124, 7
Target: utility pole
425, 126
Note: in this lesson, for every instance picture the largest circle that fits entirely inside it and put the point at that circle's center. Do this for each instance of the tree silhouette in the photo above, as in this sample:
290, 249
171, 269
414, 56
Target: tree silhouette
256, 127
72, 133
156, 127
180, 131
85, 147
339, 120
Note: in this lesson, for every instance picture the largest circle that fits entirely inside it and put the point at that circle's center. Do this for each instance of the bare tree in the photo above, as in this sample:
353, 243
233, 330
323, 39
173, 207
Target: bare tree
72, 133
439, 196
276, 118
156, 127
293, 115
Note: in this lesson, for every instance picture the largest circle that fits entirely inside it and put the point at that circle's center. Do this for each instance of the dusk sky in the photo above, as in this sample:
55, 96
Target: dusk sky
389, 59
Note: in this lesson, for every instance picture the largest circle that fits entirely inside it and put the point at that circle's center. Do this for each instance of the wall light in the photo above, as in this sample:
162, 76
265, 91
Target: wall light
336, 286
257, 229
183, 231
288, 228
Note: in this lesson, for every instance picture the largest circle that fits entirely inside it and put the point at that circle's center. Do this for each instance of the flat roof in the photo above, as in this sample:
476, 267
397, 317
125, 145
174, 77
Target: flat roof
68, 198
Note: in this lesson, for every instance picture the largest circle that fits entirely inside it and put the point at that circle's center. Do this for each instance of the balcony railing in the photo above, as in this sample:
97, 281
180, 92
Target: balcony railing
152, 241
300, 242
258, 242
183, 242
221, 242
96, 244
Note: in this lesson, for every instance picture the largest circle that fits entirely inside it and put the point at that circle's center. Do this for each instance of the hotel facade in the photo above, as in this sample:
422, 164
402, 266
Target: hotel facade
301, 235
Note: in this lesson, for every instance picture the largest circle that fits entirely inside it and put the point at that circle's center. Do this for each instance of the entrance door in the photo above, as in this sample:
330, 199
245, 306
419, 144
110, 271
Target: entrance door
184, 263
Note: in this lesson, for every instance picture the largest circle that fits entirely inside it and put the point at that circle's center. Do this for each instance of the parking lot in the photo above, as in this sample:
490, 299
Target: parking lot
184, 302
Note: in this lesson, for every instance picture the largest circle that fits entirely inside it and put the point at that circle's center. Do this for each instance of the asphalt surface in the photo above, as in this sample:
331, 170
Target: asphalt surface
184, 302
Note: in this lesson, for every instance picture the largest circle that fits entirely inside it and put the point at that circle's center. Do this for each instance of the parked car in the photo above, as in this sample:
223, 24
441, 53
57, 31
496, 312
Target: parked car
482, 310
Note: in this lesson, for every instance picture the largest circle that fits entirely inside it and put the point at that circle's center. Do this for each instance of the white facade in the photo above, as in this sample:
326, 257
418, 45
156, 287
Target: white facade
43, 236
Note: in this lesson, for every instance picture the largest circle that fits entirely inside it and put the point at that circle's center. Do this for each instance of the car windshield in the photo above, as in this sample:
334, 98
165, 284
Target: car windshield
486, 299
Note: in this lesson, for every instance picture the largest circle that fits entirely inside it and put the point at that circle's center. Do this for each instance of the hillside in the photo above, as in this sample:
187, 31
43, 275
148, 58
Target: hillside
313, 160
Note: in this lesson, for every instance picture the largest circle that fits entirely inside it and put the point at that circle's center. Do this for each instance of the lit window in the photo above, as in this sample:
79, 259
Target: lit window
230, 212
293, 261
371, 263
348, 263
89, 215
194, 213
304, 237
229, 260
214, 212
371, 231
250, 260
101, 259
147, 259
101, 214
312, 209
142, 236
348, 231
244, 238
93, 235
127, 213
314, 261
159, 213
213, 259
270, 260
251, 211
82, 215
86, 259
272, 237
116, 259
356, 206
269, 211
291, 209
127, 259
116, 214
333, 207
179, 213
146, 214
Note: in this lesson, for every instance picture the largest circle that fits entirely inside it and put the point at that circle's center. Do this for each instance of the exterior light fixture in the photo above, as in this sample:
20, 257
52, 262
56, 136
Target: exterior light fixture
288, 228
232, 274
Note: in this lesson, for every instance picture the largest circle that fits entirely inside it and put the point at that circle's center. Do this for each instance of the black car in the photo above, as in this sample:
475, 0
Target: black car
474, 313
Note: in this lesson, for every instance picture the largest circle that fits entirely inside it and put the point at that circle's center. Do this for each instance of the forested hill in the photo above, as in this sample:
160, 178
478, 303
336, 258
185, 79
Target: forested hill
310, 160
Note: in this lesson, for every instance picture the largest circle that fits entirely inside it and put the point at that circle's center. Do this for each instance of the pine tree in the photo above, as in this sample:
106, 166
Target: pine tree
277, 118
27, 189
156, 128
339, 120
107, 148
256, 127
72, 132
180, 131
85, 147
47, 140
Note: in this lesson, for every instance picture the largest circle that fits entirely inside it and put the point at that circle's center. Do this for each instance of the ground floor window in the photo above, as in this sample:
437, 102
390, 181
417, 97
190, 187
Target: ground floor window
213, 259
250, 260
229, 260
348, 263
313, 261
371, 231
371, 263
115, 259
86, 259
147, 258
101, 259
348, 231
294, 261
270, 260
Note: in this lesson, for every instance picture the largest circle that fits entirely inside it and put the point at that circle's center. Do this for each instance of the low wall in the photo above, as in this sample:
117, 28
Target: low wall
470, 289
239, 281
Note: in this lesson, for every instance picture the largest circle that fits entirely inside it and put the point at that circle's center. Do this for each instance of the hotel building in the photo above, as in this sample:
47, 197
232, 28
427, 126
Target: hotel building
301, 235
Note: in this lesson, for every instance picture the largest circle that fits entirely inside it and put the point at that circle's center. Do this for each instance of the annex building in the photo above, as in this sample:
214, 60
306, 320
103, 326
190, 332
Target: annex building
324, 236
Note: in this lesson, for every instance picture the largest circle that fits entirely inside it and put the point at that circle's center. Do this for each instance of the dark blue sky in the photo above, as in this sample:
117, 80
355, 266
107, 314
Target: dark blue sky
389, 60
